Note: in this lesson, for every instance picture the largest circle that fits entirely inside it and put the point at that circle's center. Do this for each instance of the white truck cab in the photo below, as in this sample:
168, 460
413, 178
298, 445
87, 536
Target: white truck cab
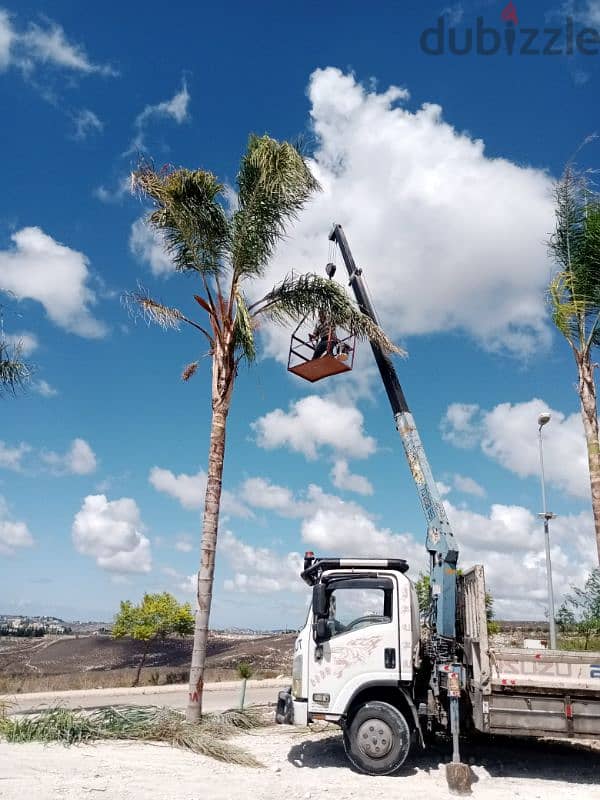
361, 642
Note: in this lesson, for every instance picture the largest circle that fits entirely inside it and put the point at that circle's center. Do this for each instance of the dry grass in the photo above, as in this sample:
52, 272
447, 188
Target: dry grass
112, 679
570, 642
146, 724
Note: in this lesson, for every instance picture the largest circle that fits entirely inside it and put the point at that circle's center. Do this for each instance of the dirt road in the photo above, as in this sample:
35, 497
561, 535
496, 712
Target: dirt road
296, 765
218, 696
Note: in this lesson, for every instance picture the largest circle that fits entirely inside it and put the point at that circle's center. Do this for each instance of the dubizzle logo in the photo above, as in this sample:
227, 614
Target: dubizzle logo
511, 39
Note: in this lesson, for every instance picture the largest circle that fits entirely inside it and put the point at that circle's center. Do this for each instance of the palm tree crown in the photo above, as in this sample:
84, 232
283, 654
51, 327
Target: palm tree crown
227, 250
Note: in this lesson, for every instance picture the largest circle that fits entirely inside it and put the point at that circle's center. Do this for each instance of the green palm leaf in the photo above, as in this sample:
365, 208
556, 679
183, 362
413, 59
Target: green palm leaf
274, 184
189, 213
298, 296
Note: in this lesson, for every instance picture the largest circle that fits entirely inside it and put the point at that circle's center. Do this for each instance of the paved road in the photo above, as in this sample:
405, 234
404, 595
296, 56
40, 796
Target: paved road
217, 696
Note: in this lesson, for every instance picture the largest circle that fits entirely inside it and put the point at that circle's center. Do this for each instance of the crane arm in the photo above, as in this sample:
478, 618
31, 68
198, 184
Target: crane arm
440, 542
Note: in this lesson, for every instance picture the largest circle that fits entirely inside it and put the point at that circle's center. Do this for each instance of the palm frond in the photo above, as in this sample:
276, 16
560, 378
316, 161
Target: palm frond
14, 372
274, 184
140, 304
189, 212
574, 292
298, 296
243, 329
564, 309
141, 723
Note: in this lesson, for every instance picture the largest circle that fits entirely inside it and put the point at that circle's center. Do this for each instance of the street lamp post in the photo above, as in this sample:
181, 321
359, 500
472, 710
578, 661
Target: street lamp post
546, 515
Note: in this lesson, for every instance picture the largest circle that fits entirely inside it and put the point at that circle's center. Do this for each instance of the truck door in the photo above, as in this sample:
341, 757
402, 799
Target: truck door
363, 644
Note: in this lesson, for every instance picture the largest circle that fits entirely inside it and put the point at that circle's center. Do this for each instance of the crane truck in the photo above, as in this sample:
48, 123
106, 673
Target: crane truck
370, 662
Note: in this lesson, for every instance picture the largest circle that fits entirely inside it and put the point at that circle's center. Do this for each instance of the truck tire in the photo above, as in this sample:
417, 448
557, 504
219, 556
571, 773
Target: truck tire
377, 738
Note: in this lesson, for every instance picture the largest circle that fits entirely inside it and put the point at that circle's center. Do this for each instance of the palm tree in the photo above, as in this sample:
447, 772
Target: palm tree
226, 251
575, 300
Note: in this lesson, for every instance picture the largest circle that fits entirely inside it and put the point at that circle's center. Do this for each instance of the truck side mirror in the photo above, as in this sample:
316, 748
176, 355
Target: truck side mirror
322, 632
319, 601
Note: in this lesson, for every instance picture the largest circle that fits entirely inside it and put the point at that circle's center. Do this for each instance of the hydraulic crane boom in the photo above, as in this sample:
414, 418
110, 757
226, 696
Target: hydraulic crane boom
441, 543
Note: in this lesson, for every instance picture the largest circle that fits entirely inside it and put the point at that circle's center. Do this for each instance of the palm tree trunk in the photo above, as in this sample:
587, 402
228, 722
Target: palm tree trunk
223, 378
587, 395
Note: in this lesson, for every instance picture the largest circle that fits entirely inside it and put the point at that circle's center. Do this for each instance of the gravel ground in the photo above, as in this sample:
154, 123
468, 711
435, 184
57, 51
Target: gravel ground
297, 765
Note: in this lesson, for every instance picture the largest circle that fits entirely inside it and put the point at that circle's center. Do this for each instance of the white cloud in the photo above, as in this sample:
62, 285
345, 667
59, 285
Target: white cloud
508, 540
443, 488
176, 108
148, 246
78, 460
112, 533
184, 544
25, 341
40, 268
12, 457
330, 525
509, 543
12, 534
116, 195
458, 425
346, 529
342, 478
44, 388
315, 422
509, 435
31, 47
261, 493
86, 123
454, 13
467, 485
391, 176
7, 36
586, 12
188, 583
592, 13
260, 570
190, 491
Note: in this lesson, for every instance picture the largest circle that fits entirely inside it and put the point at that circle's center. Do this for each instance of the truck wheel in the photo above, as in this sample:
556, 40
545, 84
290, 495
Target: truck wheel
377, 739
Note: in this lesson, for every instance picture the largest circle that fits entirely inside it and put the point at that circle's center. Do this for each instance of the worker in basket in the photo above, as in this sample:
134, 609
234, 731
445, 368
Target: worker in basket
323, 337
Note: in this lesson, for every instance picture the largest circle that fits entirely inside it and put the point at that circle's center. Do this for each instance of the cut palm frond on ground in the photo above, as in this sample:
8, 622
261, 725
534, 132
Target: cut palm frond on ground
134, 723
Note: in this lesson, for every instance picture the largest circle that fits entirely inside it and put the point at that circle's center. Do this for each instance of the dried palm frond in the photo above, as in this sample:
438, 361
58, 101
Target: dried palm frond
140, 304
189, 371
137, 723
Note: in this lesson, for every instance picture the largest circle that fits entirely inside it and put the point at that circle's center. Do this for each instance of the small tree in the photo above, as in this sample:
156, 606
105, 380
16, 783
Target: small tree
565, 618
583, 607
492, 625
423, 587
156, 617
244, 671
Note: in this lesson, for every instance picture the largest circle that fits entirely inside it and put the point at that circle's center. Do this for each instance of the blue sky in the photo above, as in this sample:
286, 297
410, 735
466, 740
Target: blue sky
443, 185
